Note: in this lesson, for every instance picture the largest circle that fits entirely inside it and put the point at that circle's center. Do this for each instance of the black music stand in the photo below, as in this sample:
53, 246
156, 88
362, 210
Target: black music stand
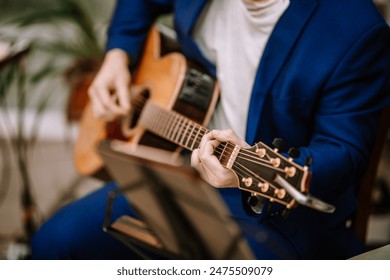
180, 216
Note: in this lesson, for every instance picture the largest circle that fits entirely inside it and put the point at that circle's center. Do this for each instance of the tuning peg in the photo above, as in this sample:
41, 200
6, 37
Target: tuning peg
278, 143
252, 200
256, 203
293, 152
308, 162
285, 213
270, 205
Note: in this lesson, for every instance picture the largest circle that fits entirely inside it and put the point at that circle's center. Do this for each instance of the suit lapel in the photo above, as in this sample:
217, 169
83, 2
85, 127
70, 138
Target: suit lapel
187, 13
275, 54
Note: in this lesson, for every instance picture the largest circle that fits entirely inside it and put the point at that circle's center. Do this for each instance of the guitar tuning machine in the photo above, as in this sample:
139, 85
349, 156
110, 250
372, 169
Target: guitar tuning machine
308, 162
278, 143
257, 203
248, 181
290, 171
275, 162
280, 193
285, 213
264, 187
261, 152
293, 153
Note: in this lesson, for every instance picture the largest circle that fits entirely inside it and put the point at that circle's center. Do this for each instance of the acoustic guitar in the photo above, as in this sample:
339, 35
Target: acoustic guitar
172, 102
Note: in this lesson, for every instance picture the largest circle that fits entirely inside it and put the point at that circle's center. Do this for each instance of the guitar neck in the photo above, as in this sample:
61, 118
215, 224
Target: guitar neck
172, 126
180, 130
256, 167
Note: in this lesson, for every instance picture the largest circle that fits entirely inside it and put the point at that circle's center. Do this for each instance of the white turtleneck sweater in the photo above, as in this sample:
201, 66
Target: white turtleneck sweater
232, 34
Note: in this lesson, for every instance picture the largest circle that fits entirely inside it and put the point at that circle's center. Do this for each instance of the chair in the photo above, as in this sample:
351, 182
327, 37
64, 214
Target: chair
360, 222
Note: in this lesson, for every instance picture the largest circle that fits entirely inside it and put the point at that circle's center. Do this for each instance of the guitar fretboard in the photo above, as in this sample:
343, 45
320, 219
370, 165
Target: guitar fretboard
179, 130
256, 166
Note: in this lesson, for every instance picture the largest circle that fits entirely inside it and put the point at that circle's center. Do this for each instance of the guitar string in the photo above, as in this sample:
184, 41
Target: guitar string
201, 131
189, 125
249, 157
285, 200
247, 174
175, 116
255, 158
250, 173
176, 119
261, 180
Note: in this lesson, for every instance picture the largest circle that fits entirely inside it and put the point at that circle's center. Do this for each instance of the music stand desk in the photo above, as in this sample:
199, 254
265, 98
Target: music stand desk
179, 214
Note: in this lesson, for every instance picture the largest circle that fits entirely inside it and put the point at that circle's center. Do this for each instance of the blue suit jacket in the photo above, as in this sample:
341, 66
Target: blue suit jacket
321, 84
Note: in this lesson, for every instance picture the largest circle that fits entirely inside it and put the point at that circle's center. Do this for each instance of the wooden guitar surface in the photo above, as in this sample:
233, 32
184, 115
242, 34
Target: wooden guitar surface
162, 77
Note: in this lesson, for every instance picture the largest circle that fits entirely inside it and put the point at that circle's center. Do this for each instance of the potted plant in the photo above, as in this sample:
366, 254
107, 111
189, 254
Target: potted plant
63, 46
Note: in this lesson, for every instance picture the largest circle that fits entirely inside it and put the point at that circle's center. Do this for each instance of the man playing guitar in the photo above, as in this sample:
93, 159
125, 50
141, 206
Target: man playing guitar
313, 72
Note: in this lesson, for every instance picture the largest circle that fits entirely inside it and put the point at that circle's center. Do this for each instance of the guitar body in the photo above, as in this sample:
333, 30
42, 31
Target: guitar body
169, 81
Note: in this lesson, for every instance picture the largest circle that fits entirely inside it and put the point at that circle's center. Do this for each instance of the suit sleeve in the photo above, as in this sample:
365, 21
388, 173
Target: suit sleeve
348, 114
131, 22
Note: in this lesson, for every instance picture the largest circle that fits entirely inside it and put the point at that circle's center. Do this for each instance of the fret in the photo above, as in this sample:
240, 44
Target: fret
179, 130
175, 128
153, 121
145, 116
170, 125
226, 153
185, 128
203, 131
167, 122
160, 117
190, 134
195, 138
157, 117
223, 151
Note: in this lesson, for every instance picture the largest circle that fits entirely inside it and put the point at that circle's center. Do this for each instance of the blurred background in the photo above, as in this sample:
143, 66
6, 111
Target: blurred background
58, 45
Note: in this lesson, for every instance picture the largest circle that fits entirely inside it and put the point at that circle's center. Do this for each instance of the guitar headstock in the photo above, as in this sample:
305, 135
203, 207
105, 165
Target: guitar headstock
257, 168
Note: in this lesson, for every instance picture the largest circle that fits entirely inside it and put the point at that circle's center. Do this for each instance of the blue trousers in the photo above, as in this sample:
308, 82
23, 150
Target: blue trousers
76, 230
